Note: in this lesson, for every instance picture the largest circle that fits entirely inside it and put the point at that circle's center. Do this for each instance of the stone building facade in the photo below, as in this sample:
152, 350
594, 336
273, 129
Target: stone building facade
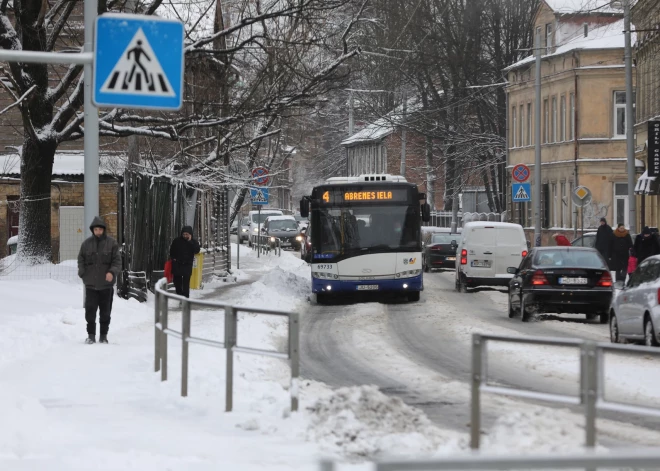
583, 138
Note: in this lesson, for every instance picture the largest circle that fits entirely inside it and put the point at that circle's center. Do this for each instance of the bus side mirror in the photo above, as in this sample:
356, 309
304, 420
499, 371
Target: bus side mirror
304, 207
426, 212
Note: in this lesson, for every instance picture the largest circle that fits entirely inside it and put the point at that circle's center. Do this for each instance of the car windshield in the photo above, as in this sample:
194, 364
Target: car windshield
569, 258
283, 225
360, 230
300, 218
443, 238
260, 218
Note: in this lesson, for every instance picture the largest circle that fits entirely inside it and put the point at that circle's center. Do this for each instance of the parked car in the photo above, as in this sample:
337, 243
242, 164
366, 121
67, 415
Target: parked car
439, 250
562, 280
486, 250
284, 228
255, 218
635, 312
302, 222
244, 229
306, 245
588, 239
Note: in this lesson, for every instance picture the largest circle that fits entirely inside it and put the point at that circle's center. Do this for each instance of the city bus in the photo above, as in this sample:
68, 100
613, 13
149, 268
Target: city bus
365, 236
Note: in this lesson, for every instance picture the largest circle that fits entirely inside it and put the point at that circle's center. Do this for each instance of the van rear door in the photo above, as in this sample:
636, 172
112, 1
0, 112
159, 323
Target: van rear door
510, 245
481, 247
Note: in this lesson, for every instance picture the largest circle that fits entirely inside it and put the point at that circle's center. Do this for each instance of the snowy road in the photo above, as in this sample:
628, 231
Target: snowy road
420, 352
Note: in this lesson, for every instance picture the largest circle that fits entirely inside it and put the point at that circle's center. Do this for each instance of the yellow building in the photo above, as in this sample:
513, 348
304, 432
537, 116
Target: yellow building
646, 16
582, 116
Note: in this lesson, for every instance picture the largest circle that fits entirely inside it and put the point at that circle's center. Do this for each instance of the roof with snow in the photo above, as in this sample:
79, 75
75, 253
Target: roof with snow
382, 127
69, 163
585, 6
608, 36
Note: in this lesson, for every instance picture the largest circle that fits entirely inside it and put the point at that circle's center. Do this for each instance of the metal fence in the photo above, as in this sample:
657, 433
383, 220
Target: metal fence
263, 245
230, 343
646, 458
443, 218
592, 381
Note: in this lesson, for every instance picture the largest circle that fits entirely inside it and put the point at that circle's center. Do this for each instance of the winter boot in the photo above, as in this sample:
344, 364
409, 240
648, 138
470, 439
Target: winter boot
90, 340
103, 339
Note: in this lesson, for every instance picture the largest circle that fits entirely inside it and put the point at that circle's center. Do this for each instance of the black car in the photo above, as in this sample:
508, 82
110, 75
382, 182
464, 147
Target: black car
571, 280
439, 250
284, 228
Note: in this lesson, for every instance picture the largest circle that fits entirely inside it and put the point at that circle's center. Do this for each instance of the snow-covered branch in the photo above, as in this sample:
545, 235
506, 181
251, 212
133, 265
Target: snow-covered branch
20, 100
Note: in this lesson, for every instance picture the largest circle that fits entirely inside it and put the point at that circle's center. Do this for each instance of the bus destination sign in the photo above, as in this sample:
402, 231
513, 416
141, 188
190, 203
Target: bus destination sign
339, 196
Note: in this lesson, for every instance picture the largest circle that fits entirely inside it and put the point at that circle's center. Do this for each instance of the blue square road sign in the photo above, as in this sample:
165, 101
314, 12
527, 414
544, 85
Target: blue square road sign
521, 192
259, 195
138, 62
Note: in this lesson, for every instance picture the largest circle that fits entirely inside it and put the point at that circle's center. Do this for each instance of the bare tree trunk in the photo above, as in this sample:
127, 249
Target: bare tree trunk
430, 176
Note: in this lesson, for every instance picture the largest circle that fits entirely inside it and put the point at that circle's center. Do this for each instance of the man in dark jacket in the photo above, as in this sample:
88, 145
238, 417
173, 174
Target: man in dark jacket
182, 253
604, 239
621, 245
99, 265
646, 245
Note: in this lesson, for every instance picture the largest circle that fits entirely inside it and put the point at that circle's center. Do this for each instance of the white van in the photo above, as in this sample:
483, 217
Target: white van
485, 251
254, 219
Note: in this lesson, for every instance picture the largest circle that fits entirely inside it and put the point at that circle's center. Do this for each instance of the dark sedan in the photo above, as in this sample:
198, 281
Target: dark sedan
439, 251
571, 280
285, 229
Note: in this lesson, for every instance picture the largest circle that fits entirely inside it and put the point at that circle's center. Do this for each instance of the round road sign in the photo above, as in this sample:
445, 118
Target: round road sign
520, 173
581, 196
260, 176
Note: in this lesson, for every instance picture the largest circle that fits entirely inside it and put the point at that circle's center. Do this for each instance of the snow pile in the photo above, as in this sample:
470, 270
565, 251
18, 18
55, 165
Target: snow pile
361, 422
14, 268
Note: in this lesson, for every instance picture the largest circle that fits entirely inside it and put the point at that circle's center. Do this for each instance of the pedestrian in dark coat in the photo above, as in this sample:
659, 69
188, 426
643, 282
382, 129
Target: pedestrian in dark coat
620, 250
182, 253
604, 239
646, 245
99, 265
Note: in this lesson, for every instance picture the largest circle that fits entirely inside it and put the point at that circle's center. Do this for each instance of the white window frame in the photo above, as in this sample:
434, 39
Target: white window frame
529, 124
562, 199
522, 126
626, 208
548, 38
546, 118
553, 133
514, 128
562, 118
571, 117
555, 212
616, 108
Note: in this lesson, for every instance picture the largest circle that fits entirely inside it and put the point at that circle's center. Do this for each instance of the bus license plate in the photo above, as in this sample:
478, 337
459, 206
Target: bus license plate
481, 263
367, 287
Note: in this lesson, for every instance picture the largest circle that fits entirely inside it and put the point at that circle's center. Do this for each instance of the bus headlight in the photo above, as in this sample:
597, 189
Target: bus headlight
405, 286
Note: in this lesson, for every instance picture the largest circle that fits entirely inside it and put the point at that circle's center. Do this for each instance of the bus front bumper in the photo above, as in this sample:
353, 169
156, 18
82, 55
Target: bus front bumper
400, 285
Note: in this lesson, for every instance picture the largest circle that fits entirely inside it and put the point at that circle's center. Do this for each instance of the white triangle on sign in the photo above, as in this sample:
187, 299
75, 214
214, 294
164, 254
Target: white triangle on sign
138, 72
521, 194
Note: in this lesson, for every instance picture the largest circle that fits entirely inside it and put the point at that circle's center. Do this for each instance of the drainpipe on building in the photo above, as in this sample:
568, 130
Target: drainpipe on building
59, 191
576, 144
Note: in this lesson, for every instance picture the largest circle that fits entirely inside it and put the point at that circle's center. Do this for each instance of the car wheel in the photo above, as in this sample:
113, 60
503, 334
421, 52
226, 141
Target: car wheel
414, 296
650, 339
512, 312
614, 330
604, 317
591, 316
426, 268
524, 314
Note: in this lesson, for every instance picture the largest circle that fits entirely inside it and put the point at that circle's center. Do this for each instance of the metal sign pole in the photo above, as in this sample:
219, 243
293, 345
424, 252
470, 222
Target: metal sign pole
259, 231
537, 145
91, 137
239, 231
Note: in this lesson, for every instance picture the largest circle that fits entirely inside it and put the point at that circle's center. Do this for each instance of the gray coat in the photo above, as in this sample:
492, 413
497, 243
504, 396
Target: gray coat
97, 257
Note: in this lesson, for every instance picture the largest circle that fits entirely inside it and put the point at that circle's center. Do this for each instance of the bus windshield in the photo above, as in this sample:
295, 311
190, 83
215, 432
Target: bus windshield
359, 230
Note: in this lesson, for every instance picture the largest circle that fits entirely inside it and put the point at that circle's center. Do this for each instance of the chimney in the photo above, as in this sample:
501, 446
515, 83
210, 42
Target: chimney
586, 29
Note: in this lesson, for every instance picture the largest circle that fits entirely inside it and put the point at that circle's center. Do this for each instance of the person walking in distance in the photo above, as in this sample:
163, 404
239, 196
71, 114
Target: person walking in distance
620, 251
182, 253
99, 265
646, 245
604, 240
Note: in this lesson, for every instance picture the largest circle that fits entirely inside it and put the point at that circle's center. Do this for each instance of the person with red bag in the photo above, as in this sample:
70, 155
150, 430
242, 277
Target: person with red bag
632, 262
561, 240
620, 246
168, 271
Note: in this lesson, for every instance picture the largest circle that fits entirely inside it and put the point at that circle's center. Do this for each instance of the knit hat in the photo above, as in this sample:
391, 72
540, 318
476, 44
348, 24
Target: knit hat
646, 230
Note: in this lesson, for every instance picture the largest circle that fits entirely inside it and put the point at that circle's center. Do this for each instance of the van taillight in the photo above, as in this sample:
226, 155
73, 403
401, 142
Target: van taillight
605, 280
658, 295
463, 257
538, 278
524, 253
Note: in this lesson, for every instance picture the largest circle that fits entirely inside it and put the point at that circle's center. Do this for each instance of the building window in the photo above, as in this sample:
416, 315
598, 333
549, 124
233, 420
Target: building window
513, 127
620, 113
555, 206
548, 38
546, 122
521, 138
554, 120
529, 124
571, 117
562, 119
562, 202
620, 204
545, 205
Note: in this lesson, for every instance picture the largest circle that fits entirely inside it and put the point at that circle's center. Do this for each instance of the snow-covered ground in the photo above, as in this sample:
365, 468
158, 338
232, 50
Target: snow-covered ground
66, 405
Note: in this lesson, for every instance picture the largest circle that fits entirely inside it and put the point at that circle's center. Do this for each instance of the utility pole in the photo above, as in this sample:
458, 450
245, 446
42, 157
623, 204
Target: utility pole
351, 130
630, 121
403, 137
537, 146
91, 113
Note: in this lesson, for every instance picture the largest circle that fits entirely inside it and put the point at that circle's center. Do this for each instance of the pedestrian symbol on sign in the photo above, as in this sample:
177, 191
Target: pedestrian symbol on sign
138, 71
521, 194
259, 196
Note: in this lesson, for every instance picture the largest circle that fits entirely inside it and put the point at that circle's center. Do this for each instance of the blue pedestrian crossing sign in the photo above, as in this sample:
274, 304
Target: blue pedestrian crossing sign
521, 192
138, 62
259, 195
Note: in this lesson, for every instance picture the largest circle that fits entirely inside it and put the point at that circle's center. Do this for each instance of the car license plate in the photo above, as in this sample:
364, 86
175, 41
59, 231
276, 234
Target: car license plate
573, 281
481, 263
367, 287
451, 258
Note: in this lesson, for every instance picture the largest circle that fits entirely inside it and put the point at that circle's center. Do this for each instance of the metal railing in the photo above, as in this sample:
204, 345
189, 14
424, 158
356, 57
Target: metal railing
162, 331
263, 245
644, 458
592, 381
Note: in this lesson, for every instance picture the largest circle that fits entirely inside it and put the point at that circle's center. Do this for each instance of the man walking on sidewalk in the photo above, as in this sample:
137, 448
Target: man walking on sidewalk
182, 253
99, 265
